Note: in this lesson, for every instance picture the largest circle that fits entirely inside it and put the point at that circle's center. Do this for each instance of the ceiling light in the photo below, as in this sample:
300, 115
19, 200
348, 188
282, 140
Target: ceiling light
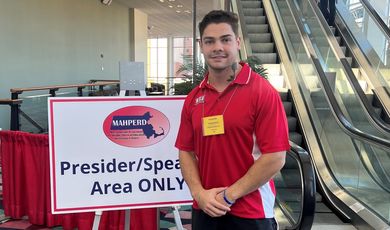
178, 11
179, 6
162, 0
171, 0
170, 6
187, 11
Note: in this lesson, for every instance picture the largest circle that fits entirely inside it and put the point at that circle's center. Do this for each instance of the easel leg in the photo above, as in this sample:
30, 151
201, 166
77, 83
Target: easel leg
96, 220
127, 219
176, 214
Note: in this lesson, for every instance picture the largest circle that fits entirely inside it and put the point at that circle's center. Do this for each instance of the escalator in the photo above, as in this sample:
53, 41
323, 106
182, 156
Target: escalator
342, 147
341, 152
261, 44
367, 37
344, 41
347, 90
252, 12
342, 78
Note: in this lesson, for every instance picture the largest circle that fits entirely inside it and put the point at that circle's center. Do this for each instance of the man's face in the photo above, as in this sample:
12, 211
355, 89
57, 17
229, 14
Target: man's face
219, 46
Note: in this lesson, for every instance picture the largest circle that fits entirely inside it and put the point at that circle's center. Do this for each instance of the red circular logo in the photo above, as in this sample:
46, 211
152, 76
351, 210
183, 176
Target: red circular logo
136, 126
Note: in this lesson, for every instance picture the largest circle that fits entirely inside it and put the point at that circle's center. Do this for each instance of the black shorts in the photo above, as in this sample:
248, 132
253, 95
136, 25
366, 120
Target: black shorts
202, 221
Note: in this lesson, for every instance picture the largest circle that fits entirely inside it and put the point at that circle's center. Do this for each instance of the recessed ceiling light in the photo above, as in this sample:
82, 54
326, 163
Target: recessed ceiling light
162, 0
187, 11
179, 6
170, 6
178, 11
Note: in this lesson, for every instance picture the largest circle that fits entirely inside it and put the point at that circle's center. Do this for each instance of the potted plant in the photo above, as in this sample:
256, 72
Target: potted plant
191, 80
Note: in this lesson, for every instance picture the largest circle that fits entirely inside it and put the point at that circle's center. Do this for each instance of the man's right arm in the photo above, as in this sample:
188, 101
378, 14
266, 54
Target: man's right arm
205, 198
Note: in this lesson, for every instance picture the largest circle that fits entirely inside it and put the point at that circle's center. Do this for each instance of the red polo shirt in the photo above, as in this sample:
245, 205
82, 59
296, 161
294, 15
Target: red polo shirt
255, 123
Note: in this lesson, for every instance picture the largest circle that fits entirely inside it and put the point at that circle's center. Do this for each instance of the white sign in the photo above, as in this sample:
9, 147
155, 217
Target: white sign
111, 153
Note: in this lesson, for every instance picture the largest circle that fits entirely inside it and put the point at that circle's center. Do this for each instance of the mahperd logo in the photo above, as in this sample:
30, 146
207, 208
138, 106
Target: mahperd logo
136, 126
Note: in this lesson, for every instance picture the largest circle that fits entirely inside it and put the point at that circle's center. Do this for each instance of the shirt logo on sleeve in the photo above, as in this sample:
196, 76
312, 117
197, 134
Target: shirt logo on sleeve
199, 100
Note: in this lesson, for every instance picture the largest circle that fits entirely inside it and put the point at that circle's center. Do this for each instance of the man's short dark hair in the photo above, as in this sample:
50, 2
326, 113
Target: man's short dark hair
219, 16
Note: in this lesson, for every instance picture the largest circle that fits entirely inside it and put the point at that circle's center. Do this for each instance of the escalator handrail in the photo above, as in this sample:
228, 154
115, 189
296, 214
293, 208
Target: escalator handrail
362, 96
377, 19
340, 117
309, 186
330, 97
364, 62
348, 71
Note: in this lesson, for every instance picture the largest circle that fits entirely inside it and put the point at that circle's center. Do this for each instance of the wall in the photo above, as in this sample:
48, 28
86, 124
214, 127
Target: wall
138, 37
46, 42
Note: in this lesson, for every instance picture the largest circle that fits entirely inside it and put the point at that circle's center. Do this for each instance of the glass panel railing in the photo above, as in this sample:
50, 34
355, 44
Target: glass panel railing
372, 41
295, 184
32, 112
383, 10
342, 87
341, 151
336, 74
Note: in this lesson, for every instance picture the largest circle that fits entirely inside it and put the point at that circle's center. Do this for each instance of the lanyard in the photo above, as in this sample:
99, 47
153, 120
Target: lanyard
227, 104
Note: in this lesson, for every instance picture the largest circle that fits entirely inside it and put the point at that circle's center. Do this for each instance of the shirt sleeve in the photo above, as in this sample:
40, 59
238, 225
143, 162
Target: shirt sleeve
185, 138
271, 127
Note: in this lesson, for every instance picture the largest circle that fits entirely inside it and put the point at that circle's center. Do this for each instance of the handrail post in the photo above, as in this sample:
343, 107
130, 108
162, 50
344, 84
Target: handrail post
80, 91
15, 112
15, 115
53, 92
15, 95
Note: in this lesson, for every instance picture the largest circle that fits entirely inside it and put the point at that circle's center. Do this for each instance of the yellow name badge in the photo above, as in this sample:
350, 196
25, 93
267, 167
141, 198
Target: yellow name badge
213, 125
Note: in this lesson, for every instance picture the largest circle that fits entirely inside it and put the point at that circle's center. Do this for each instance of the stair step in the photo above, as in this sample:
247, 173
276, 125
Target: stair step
255, 19
349, 59
283, 95
333, 29
267, 58
296, 138
287, 107
257, 38
292, 123
344, 49
259, 28
260, 20
251, 4
273, 69
277, 81
263, 47
253, 12
307, 70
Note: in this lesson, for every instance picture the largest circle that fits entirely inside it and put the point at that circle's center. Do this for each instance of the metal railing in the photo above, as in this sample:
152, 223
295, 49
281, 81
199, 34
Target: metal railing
16, 101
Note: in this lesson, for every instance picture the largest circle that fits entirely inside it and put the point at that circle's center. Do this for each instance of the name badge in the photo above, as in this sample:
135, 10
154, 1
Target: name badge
213, 125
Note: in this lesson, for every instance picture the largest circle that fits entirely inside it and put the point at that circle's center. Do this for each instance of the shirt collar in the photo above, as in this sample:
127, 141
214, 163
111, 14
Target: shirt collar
242, 78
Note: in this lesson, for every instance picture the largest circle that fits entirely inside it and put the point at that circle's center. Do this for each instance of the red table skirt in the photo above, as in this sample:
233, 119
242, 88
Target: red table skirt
26, 188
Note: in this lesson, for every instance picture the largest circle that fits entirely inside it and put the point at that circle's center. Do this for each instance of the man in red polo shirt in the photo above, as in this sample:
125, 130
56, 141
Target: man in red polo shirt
233, 136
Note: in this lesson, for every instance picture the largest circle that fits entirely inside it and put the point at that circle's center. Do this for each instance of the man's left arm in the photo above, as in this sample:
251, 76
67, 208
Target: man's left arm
264, 168
271, 129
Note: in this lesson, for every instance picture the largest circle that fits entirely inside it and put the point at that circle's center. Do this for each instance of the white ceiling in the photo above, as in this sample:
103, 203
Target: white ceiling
165, 21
